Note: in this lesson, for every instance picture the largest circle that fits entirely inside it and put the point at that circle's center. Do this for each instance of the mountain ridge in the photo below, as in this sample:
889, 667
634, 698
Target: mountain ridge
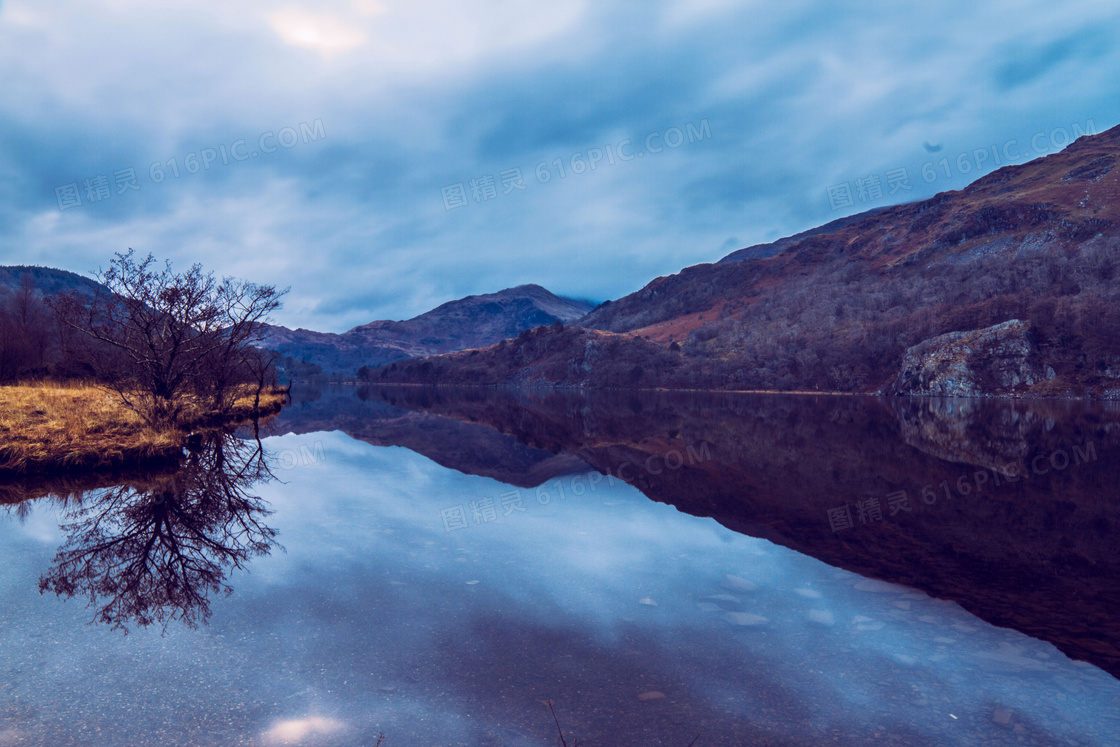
476, 320
469, 322
48, 281
838, 308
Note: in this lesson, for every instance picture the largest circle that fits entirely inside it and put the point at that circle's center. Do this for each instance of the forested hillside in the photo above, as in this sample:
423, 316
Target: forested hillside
1035, 245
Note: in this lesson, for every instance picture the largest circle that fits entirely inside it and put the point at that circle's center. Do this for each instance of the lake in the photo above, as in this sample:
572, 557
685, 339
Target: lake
439, 565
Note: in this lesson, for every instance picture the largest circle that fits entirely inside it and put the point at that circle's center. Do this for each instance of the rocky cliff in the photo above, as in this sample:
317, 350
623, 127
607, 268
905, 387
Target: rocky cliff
1000, 359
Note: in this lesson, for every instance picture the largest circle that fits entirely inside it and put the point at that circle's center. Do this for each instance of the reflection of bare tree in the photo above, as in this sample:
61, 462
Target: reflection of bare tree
154, 552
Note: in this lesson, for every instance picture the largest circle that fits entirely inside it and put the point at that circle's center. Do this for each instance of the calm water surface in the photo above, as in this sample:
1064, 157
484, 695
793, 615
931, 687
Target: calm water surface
443, 592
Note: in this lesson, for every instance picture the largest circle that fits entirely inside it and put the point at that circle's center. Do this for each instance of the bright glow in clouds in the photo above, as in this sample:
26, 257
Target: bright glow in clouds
324, 34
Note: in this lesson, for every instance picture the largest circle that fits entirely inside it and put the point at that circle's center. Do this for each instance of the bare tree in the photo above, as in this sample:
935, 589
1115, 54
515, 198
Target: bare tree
161, 335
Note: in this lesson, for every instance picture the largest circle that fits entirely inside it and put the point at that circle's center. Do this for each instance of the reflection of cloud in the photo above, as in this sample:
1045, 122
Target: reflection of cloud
41, 526
294, 731
326, 35
756, 604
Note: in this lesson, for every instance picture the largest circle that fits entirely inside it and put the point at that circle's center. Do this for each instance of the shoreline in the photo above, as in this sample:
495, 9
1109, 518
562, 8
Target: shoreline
783, 392
59, 431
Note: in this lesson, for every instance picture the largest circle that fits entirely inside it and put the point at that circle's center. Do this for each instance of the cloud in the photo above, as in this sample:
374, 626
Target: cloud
418, 96
327, 35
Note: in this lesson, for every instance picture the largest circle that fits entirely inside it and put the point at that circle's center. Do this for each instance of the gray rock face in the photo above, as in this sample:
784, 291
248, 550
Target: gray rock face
995, 360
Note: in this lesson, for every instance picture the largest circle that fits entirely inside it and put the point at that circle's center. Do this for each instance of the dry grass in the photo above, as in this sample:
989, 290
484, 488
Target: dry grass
48, 427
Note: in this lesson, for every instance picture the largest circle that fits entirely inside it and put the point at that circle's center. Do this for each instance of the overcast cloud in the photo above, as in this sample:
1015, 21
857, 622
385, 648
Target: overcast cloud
399, 100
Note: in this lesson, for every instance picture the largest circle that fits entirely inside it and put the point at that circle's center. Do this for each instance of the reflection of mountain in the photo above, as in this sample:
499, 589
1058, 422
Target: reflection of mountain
153, 551
1037, 553
465, 447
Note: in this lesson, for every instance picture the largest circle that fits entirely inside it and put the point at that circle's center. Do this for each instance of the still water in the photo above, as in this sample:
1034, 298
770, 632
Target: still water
438, 568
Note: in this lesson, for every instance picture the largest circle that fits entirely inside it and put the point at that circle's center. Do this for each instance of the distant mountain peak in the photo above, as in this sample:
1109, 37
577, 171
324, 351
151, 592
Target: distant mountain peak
470, 322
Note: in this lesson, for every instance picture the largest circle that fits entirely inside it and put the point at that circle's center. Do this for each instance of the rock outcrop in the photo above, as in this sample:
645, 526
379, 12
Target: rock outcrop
996, 360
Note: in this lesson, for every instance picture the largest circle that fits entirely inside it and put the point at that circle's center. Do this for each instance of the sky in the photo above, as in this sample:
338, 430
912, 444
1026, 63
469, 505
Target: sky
380, 157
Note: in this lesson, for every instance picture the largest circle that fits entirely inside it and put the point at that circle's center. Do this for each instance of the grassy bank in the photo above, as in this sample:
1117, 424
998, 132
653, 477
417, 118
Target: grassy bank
56, 428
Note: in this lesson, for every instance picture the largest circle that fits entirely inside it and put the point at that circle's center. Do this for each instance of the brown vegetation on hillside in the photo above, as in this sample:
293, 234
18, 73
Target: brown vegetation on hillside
547, 356
474, 321
837, 310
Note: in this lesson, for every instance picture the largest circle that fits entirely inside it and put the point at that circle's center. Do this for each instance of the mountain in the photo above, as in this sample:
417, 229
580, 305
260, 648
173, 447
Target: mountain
474, 321
1005, 287
471, 322
46, 280
30, 342
762, 251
